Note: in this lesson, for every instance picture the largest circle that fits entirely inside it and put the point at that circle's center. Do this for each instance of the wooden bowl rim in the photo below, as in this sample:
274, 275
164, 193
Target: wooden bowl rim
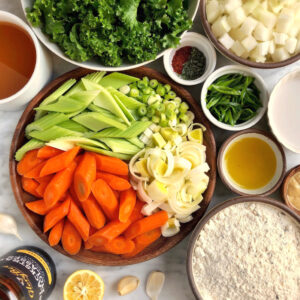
228, 54
284, 186
109, 259
221, 167
214, 211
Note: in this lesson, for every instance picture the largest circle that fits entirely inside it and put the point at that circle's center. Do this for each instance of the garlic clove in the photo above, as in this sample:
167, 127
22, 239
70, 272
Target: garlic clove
8, 225
155, 284
127, 285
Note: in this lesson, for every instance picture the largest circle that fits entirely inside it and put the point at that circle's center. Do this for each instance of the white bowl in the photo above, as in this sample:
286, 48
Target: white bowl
42, 70
200, 42
259, 82
273, 184
280, 106
93, 64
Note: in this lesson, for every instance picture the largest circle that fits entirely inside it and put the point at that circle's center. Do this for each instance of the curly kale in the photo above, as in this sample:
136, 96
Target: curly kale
111, 31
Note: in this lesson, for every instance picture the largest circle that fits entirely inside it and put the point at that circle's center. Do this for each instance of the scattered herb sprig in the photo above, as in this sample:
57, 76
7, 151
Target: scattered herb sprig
233, 98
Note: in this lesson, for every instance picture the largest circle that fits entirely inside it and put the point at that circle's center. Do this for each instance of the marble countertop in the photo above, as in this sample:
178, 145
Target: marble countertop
172, 263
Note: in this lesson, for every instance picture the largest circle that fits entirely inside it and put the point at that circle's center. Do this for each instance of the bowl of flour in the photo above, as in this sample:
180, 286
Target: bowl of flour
246, 248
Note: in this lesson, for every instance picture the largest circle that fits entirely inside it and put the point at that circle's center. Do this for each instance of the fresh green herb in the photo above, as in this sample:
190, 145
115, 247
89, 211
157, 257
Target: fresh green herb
233, 98
195, 65
111, 31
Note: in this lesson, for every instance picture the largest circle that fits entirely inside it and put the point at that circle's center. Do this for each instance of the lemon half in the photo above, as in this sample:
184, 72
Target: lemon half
84, 285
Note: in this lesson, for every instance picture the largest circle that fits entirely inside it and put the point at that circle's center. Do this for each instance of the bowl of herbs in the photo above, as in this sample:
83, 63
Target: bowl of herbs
234, 98
110, 35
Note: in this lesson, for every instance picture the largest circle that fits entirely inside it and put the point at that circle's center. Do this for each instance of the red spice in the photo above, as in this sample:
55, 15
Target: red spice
181, 56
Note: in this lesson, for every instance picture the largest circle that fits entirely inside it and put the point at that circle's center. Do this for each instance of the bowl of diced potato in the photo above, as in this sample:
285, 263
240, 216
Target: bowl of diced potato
257, 33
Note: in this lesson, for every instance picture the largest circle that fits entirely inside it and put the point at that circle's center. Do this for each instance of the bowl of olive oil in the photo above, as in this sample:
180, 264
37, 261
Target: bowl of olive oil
252, 162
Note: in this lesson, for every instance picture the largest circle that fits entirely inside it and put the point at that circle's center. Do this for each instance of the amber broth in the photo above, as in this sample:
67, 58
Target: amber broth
17, 59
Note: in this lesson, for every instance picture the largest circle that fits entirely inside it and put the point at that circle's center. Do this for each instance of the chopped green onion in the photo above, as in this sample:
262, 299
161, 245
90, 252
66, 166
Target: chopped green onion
134, 92
167, 87
183, 108
160, 90
155, 119
153, 83
172, 95
142, 110
147, 90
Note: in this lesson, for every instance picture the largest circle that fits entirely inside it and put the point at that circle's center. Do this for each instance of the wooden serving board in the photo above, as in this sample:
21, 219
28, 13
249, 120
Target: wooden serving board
160, 246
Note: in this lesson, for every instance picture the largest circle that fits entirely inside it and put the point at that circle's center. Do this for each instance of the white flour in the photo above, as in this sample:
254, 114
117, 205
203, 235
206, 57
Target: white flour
248, 251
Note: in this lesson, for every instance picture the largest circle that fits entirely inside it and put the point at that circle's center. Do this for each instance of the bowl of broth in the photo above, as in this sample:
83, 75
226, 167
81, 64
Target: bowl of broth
252, 162
25, 67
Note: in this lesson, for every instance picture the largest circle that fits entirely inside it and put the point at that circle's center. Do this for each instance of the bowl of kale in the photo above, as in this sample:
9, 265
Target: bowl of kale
110, 35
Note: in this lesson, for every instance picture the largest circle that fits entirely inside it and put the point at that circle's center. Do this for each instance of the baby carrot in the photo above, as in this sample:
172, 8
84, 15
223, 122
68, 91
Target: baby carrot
56, 233
84, 176
38, 207
79, 221
93, 212
87, 244
35, 172
109, 232
74, 196
119, 245
106, 198
59, 162
144, 240
28, 162
56, 214
71, 239
115, 182
30, 185
127, 203
136, 213
111, 165
59, 184
47, 152
146, 224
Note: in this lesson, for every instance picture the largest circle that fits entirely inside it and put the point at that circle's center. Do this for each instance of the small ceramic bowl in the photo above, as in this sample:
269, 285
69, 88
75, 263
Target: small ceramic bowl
259, 82
284, 188
200, 42
274, 183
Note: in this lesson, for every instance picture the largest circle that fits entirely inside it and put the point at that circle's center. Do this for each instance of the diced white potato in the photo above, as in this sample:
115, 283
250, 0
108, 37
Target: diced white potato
294, 30
212, 10
262, 48
280, 54
238, 49
236, 17
248, 26
231, 5
266, 17
262, 33
275, 6
220, 26
296, 9
226, 41
284, 22
249, 43
280, 38
245, 55
236, 34
290, 45
271, 47
250, 5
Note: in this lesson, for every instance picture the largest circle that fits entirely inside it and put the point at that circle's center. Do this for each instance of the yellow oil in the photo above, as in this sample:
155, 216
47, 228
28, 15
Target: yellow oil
250, 162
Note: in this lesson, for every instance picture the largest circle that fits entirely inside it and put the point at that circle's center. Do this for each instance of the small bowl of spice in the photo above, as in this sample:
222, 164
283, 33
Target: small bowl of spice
192, 61
291, 189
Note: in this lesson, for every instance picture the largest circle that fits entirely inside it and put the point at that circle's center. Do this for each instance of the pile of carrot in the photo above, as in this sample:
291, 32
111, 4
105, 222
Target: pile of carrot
86, 200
